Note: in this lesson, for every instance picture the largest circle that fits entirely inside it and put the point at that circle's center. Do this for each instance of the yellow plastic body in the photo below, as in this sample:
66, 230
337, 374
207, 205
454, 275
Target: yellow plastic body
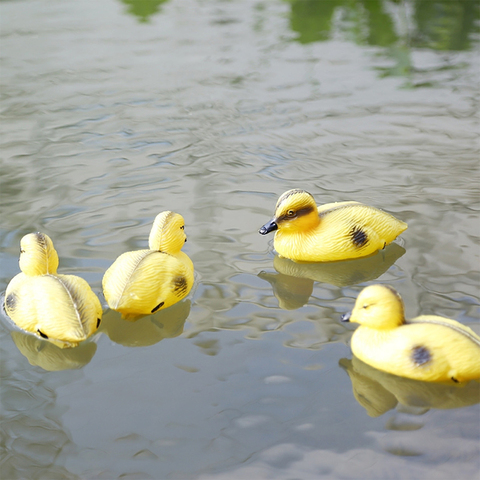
428, 347
61, 308
331, 232
145, 281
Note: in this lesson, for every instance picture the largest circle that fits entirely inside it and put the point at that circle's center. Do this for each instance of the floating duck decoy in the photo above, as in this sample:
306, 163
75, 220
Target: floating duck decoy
428, 347
61, 308
145, 281
331, 232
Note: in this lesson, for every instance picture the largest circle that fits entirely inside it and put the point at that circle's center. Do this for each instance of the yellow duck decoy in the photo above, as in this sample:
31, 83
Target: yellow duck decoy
428, 347
145, 281
61, 308
331, 232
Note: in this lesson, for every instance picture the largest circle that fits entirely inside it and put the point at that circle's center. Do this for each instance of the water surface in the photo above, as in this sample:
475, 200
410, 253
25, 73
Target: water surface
114, 111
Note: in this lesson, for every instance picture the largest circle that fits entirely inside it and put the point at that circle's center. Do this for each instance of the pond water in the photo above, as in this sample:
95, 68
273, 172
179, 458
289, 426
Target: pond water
114, 111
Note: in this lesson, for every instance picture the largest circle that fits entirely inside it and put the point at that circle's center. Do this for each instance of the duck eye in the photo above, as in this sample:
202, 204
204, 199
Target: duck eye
365, 306
22, 250
182, 227
291, 213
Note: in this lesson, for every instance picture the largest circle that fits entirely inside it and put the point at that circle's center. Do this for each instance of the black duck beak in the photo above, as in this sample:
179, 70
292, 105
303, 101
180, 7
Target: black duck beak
268, 227
346, 317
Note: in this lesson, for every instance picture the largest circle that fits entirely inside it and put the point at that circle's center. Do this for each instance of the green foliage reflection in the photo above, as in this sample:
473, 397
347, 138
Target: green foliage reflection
436, 24
396, 25
312, 20
446, 24
143, 9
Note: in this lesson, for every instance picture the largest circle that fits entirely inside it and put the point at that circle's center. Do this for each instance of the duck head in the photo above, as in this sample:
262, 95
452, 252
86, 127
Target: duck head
379, 307
296, 210
37, 255
168, 233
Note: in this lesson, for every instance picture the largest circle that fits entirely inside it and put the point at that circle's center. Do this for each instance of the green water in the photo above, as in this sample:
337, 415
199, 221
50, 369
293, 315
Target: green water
114, 111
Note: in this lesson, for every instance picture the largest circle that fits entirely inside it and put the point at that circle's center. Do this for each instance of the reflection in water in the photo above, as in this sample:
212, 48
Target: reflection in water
439, 24
293, 285
312, 20
143, 9
435, 24
379, 391
445, 25
147, 330
49, 356
291, 292
32, 433
364, 21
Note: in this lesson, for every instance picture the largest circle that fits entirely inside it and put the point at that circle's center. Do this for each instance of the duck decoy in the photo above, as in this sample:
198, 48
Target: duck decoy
145, 281
331, 232
428, 347
60, 308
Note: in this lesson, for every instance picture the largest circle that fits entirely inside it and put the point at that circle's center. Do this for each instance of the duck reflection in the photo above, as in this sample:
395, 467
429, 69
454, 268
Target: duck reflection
51, 357
146, 330
293, 284
378, 392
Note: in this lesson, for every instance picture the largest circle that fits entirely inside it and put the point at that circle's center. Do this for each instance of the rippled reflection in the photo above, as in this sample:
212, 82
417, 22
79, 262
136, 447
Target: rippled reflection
144, 331
51, 357
397, 26
143, 9
445, 25
293, 284
439, 24
378, 392
364, 20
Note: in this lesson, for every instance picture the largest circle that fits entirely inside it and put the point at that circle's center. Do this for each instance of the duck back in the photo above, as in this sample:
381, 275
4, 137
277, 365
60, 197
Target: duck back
144, 281
428, 348
58, 307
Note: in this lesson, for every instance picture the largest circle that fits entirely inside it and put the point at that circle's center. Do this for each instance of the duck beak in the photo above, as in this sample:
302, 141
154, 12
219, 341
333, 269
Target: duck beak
346, 317
268, 227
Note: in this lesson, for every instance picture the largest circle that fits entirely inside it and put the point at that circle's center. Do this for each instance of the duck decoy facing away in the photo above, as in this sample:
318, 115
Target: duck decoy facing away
61, 308
428, 347
331, 232
145, 281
